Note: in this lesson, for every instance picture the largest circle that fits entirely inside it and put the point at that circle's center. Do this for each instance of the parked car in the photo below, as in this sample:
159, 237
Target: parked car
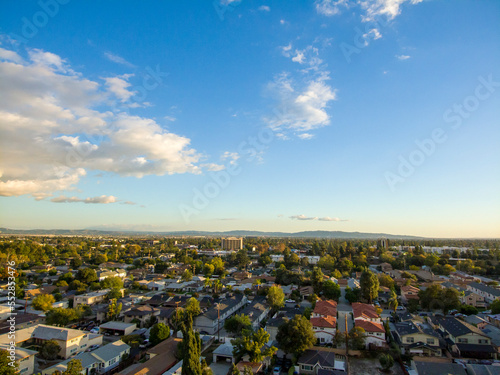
94, 330
276, 370
93, 347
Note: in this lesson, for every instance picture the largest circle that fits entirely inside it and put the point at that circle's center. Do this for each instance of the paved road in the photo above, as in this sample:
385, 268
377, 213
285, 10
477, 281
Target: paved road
344, 309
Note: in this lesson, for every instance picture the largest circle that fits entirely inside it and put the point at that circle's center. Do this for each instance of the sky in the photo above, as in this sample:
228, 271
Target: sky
370, 116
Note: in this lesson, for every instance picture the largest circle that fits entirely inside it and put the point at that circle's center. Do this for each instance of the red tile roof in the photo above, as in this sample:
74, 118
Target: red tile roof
325, 322
364, 311
369, 326
326, 308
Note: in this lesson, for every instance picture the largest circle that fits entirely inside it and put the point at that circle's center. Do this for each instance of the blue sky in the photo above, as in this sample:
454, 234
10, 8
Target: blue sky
373, 116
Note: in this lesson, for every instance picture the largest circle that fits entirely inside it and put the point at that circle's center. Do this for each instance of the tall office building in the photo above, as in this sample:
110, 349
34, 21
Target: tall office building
232, 243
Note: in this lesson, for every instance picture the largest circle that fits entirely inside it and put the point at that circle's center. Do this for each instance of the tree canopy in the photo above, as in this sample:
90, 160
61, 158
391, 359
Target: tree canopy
296, 335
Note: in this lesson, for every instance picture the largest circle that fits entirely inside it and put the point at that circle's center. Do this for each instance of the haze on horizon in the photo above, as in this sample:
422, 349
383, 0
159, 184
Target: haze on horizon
377, 116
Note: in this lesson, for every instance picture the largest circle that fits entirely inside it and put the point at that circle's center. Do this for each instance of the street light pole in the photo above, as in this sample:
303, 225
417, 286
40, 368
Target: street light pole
218, 322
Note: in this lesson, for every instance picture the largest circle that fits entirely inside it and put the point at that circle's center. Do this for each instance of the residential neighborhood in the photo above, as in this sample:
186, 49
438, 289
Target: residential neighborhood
127, 306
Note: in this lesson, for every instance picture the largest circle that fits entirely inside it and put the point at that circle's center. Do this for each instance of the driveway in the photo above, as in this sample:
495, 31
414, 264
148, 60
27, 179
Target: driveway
220, 368
344, 310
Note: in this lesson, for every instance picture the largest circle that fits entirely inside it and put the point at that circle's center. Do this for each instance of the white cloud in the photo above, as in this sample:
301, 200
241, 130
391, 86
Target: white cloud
388, 8
330, 7
302, 217
326, 218
118, 59
10, 56
299, 57
213, 167
48, 109
402, 57
300, 110
103, 199
170, 118
231, 156
118, 86
264, 8
282, 22
371, 8
305, 136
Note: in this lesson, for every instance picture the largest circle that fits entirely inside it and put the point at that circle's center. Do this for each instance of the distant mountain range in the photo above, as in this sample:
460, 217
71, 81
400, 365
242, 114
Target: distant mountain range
236, 233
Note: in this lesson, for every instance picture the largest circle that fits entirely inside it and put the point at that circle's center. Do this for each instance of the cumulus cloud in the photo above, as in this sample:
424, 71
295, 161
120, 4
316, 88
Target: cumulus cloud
330, 7
302, 217
10, 56
48, 109
118, 86
103, 199
118, 59
326, 218
231, 156
402, 57
264, 8
300, 109
371, 8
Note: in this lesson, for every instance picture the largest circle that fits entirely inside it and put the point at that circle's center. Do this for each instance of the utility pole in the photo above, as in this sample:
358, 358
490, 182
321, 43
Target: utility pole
346, 337
218, 322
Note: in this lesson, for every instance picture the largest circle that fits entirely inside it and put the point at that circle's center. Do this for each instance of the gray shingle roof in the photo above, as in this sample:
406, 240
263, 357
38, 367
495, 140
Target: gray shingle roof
45, 332
485, 288
457, 327
313, 357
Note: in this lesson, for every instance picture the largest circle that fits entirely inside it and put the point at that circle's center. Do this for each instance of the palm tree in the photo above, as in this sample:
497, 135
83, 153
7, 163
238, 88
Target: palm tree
257, 282
393, 300
208, 283
217, 285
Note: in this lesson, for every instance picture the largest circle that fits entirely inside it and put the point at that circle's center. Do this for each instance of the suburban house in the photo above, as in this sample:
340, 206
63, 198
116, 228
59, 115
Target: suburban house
90, 298
257, 311
100, 361
314, 360
141, 315
71, 341
324, 329
117, 328
465, 340
324, 321
156, 285
219, 312
325, 308
103, 275
25, 359
473, 299
489, 293
416, 339
409, 292
166, 315
367, 317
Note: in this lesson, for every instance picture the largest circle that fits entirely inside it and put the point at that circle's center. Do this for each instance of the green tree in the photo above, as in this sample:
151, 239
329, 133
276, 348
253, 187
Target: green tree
114, 294
87, 275
356, 338
331, 290
208, 269
187, 275
205, 368
275, 297
495, 307
393, 300
253, 344
242, 259
386, 280
352, 295
5, 367
193, 307
317, 278
369, 286
74, 367
114, 309
76, 263
218, 264
451, 299
50, 349
386, 361
100, 258
237, 323
191, 349
61, 317
43, 302
112, 283
296, 335
158, 333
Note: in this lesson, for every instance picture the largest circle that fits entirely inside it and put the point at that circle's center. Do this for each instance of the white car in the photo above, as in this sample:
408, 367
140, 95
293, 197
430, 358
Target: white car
94, 330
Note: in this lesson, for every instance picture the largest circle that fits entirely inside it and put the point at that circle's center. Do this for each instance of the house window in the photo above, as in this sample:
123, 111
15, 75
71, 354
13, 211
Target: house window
322, 339
463, 341
480, 341
307, 367
430, 341
409, 340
